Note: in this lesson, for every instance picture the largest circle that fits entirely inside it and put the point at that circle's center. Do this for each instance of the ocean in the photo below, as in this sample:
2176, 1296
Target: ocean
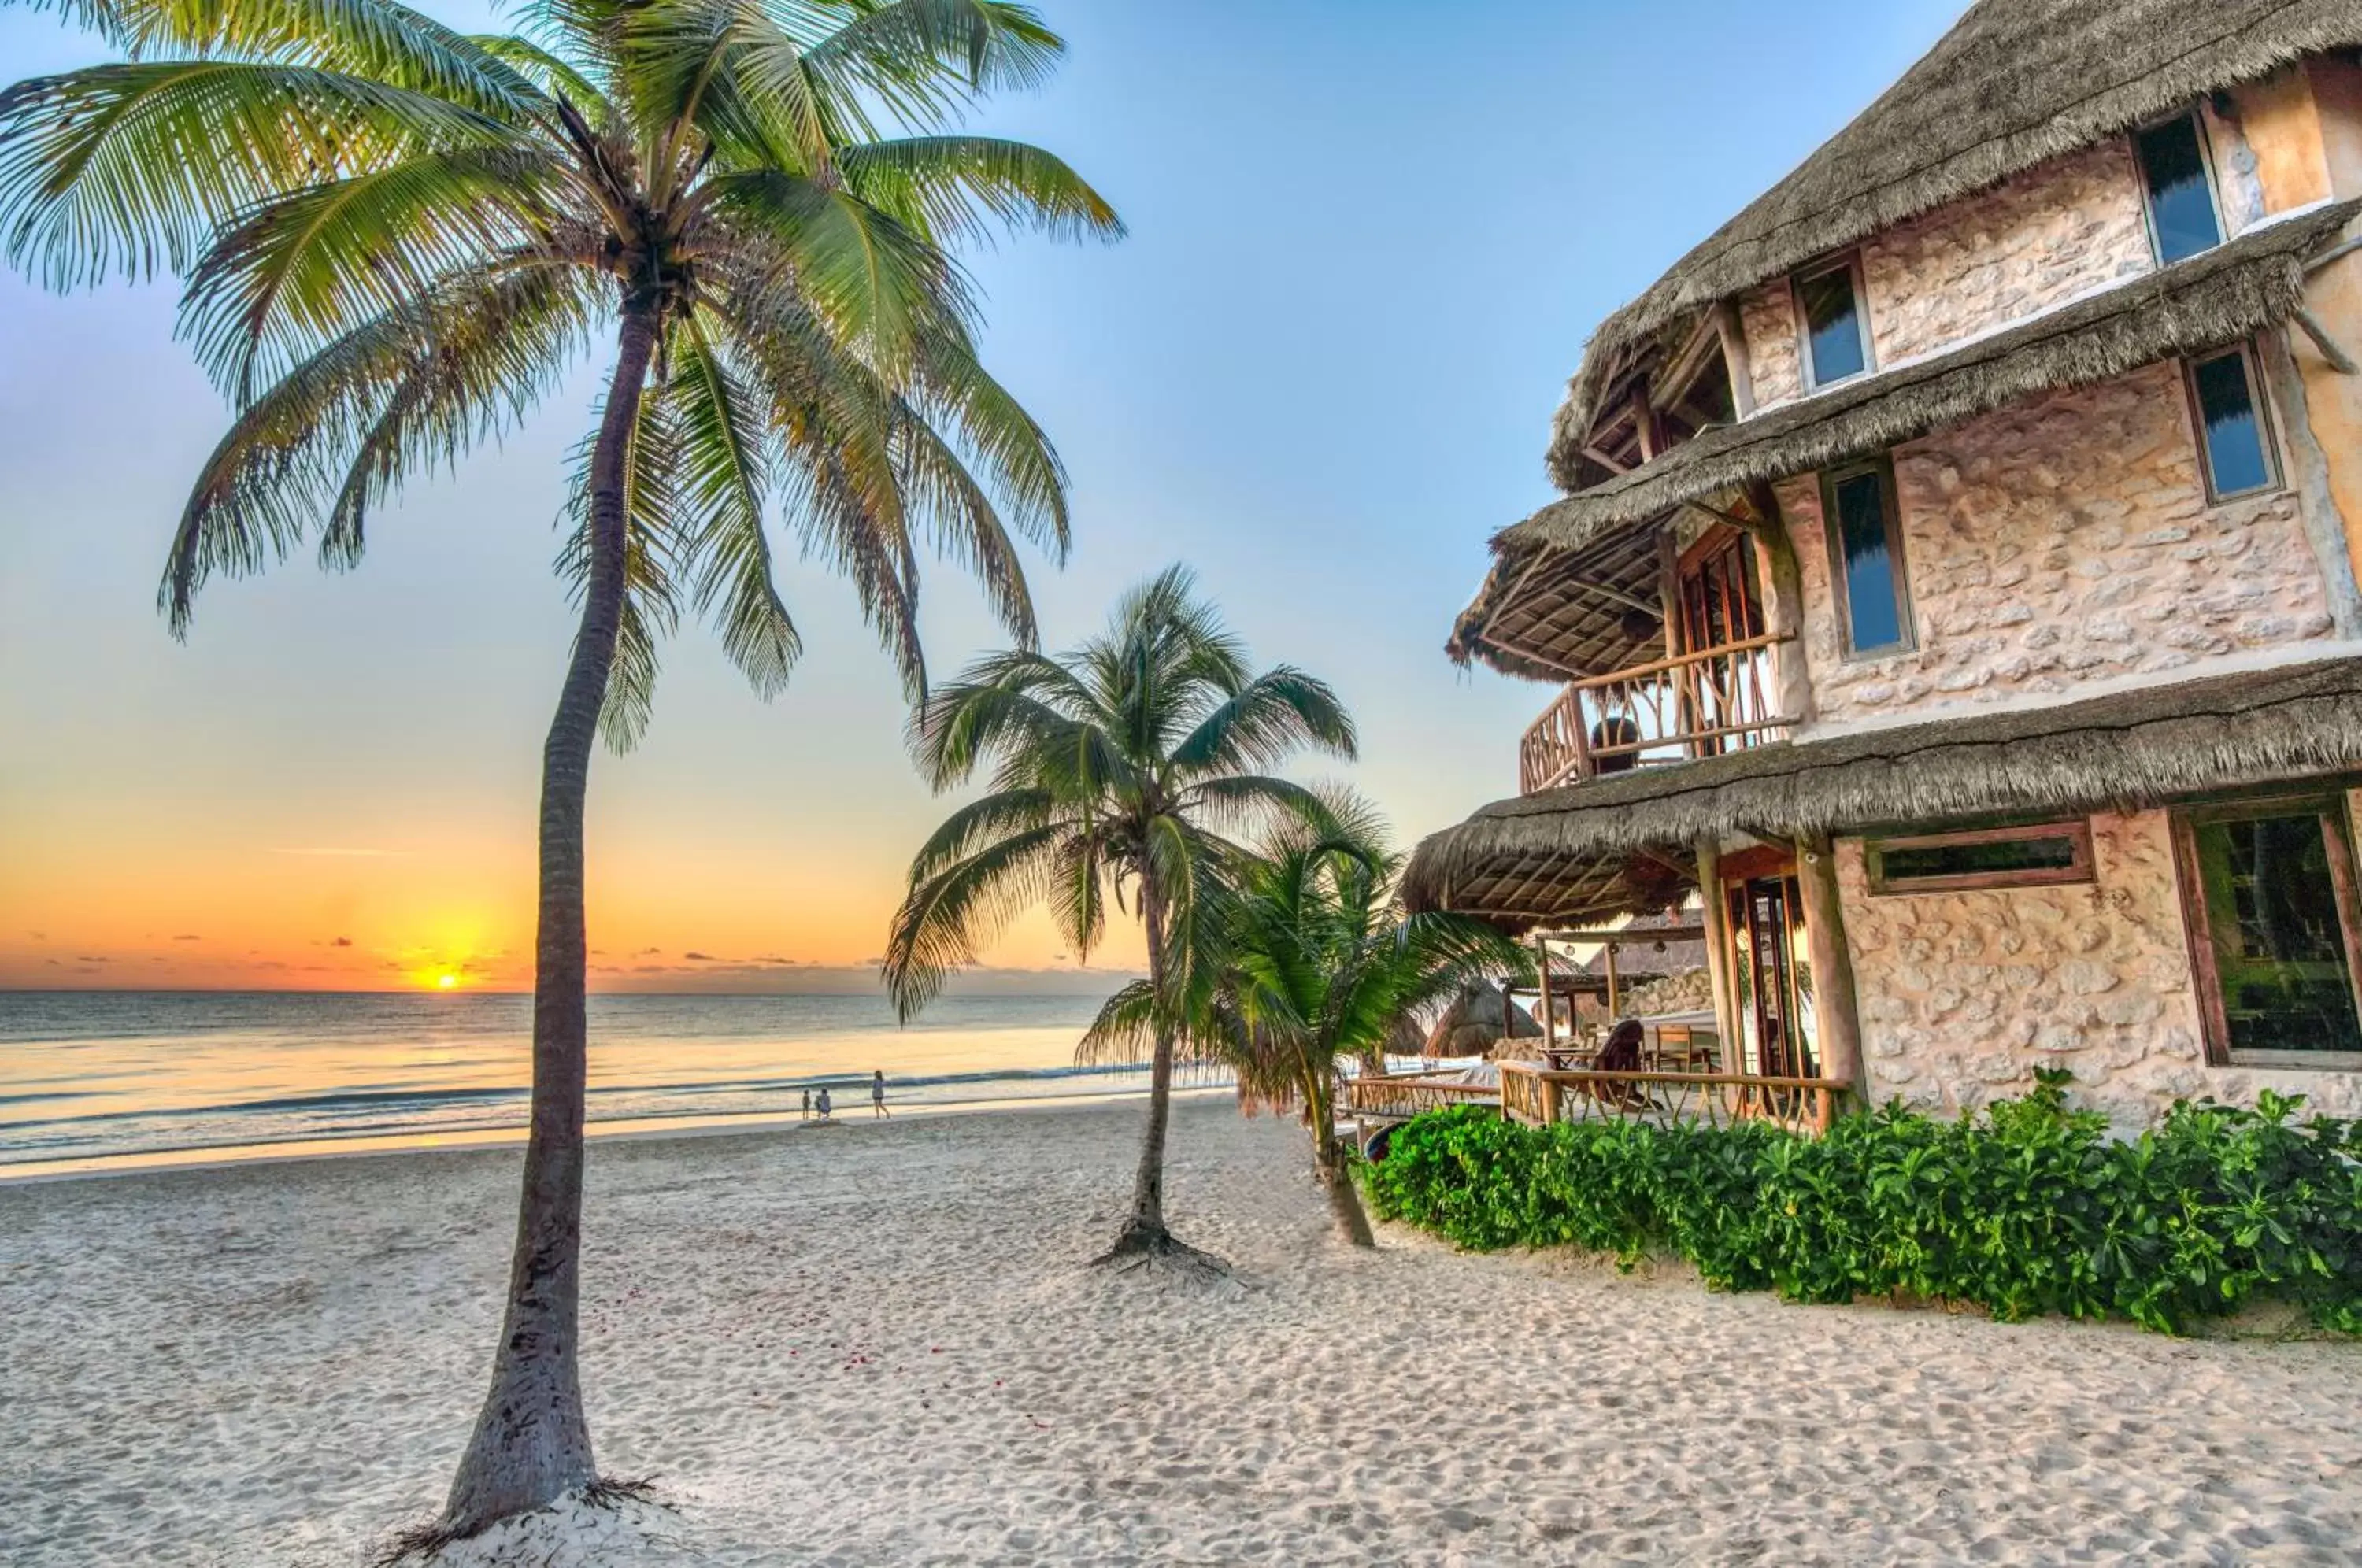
105, 1079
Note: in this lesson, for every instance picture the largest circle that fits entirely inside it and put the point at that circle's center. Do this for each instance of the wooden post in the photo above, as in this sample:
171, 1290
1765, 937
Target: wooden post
1669, 601
1825, 945
1735, 357
2308, 475
1783, 608
1717, 953
1549, 1095
1644, 422
1549, 1020
1615, 1008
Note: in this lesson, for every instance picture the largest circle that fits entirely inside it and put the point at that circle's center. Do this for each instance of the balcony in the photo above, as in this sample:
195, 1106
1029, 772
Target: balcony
1701, 705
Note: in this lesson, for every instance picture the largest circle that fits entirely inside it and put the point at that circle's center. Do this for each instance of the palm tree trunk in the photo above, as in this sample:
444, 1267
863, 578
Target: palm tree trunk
1336, 1179
1330, 1159
532, 1444
1145, 1229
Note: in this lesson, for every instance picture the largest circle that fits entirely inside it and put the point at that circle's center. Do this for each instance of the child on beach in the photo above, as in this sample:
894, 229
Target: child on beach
823, 1105
807, 1105
877, 1094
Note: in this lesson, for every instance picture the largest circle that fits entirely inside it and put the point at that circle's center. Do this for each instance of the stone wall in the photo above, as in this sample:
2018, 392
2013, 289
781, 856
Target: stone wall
1962, 995
2065, 540
2066, 229
2070, 226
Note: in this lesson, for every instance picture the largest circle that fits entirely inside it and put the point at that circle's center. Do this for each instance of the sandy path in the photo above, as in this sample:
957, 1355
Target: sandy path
874, 1345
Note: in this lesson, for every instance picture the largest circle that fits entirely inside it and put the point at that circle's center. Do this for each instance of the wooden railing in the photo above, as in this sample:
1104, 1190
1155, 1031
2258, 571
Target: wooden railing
1539, 1096
1398, 1097
1715, 699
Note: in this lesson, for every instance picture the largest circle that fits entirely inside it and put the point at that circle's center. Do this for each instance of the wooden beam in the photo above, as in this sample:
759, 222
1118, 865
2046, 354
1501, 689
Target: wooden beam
1735, 357
2338, 251
1606, 461
2339, 360
1783, 610
1747, 526
1626, 934
1549, 1017
1504, 645
1614, 1004
1825, 944
1644, 423
2308, 473
1682, 368
1716, 925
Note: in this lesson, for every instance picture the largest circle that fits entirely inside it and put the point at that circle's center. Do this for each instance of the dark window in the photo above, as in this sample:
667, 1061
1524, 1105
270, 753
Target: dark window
2180, 197
1868, 553
1835, 344
2268, 894
2230, 424
1982, 857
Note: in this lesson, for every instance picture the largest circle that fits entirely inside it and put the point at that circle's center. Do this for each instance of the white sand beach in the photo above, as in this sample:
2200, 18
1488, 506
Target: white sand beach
876, 1344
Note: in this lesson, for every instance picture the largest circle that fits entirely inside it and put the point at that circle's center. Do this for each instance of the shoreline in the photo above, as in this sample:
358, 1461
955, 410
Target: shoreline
621, 1129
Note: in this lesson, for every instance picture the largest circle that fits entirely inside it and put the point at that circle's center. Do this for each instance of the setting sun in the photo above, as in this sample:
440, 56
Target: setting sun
446, 982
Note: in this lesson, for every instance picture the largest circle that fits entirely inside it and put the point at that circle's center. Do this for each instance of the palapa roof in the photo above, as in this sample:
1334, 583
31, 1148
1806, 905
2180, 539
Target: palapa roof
2014, 84
1565, 620
1572, 854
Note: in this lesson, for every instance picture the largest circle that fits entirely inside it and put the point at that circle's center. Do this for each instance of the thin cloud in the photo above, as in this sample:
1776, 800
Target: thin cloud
340, 852
188, 939
700, 958
342, 941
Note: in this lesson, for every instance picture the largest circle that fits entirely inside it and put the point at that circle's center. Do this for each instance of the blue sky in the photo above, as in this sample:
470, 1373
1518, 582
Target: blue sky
1367, 243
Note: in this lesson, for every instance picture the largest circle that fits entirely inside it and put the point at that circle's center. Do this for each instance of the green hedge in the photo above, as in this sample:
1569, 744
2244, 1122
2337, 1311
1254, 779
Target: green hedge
2029, 1208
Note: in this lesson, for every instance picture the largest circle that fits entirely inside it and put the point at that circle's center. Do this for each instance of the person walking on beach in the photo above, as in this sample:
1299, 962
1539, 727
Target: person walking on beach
823, 1103
807, 1105
877, 1094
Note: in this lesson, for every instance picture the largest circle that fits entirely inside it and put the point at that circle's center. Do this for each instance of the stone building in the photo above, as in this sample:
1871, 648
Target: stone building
1953, 597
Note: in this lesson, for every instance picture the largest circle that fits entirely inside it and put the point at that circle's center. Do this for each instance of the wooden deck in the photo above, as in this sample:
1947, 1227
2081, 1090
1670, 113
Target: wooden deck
1399, 1097
1537, 1096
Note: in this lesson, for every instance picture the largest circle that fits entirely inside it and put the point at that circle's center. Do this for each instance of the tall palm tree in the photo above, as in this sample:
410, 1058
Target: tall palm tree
1117, 770
1308, 960
398, 238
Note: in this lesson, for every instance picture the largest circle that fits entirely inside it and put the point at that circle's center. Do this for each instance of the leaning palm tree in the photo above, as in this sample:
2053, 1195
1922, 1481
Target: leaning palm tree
1117, 770
397, 239
1307, 961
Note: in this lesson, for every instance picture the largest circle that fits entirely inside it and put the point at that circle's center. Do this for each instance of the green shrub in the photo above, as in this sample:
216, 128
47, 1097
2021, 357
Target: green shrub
2028, 1209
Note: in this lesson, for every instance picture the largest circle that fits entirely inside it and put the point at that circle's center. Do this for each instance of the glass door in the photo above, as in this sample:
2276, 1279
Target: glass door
1773, 977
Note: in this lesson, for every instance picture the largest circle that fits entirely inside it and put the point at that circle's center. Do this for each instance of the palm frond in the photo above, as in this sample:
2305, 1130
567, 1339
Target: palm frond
956, 188
378, 39
727, 472
926, 60
124, 168
946, 918
303, 268
1279, 711
658, 528
418, 384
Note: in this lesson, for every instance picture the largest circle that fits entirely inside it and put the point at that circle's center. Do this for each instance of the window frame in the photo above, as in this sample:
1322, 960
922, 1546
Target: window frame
2076, 830
1849, 262
2266, 427
2334, 808
1906, 621
2222, 235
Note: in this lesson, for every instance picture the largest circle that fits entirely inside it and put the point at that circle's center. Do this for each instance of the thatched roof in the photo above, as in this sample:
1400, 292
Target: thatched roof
1473, 1022
2239, 288
1562, 855
2014, 84
2217, 297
